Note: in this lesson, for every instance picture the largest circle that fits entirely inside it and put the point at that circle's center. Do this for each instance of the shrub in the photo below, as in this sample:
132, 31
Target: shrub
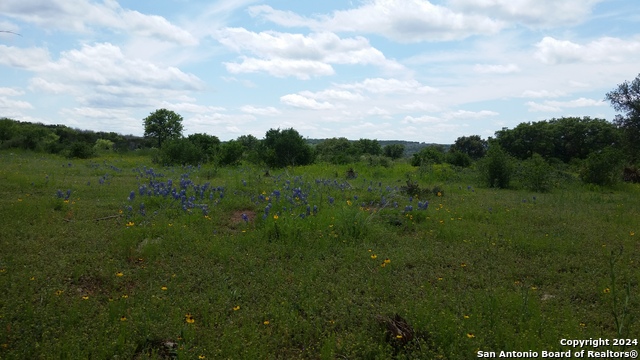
602, 167
80, 150
458, 158
496, 168
181, 152
536, 174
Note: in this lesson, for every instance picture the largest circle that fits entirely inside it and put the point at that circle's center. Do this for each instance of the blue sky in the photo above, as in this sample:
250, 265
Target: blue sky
428, 71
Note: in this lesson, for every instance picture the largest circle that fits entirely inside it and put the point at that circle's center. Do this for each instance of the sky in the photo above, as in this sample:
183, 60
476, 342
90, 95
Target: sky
416, 70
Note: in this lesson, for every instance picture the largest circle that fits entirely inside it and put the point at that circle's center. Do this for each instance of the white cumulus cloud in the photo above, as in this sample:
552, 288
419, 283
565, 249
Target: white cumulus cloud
403, 21
303, 102
603, 50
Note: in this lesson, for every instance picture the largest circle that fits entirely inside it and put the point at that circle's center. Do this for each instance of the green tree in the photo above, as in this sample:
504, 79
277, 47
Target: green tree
473, 145
394, 151
181, 151
336, 151
103, 145
286, 148
367, 146
162, 125
496, 167
231, 153
626, 98
208, 145
433, 154
251, 148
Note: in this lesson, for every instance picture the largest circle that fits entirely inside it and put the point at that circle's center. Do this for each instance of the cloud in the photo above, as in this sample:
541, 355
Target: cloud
532, 13
101, 76
5, 91
303, 102
464, 114
425, 119
403, 21
542, 94
333, 94
82, 15
264, 111
302, 69
603, 50
496, 69
24, 58
386, 86
419, 106
557, 106
285, 54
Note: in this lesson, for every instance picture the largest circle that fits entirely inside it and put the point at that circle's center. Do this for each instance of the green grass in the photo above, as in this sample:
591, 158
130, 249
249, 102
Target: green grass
480, 269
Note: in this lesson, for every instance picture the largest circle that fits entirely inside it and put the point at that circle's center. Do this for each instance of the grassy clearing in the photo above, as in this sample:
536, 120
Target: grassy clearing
303, 264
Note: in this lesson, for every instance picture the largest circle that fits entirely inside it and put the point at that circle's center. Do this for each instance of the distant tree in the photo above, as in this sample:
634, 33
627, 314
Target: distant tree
230, 153
473, 145
458, 158
208, 145
394, 151
626, 98
496, 167
251, 148
433, 154
286, 148
336, 151
103, 145
181, 151
162, 125
367, 146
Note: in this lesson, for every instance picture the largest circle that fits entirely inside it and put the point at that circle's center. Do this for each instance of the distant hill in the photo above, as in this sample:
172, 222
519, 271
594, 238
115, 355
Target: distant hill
410, 147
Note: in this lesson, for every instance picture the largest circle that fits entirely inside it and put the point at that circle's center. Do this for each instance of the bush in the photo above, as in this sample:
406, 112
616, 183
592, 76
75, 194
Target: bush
80, 150
536, 174
230, 153
181, 152
602, 167
458, 158
495, 168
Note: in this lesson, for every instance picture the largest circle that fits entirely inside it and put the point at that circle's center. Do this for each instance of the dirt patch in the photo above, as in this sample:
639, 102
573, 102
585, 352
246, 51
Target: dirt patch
242, 216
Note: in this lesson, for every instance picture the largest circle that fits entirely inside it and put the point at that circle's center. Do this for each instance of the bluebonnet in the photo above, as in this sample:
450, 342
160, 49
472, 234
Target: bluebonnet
132, 195
408, 208
245, 217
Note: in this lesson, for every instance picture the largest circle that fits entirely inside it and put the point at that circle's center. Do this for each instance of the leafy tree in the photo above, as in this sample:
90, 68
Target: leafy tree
103, 145
251, 148
286, 148
602, 167
496, 167
626, 98
458, 158
565, 138
473, 145
181, 151
163, 125
367, 146
433, 154
336, 151
208, 145
231, 153
394, 151
536, 174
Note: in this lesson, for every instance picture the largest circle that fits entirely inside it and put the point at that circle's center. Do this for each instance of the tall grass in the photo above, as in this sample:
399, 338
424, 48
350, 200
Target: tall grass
303, 263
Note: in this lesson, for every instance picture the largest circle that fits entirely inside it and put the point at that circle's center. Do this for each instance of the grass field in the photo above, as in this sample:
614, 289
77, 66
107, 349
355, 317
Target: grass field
116, 257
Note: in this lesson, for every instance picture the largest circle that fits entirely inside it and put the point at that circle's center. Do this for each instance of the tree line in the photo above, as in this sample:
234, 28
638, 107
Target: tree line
599, 149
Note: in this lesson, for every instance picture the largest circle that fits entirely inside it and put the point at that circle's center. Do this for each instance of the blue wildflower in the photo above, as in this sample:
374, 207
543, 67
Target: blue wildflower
245, 217
132, 195
408, 208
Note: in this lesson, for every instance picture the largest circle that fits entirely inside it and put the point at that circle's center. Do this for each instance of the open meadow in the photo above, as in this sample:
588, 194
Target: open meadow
117, 257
